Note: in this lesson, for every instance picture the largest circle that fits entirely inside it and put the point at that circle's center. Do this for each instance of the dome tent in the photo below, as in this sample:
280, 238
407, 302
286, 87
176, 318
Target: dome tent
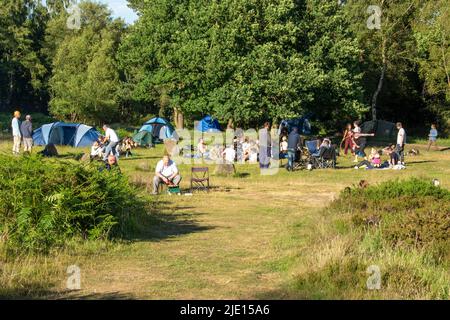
156, 129
385, 131
208, 124
66, 134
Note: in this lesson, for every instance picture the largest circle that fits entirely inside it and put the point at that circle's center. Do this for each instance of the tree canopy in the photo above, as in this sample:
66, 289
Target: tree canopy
242, 61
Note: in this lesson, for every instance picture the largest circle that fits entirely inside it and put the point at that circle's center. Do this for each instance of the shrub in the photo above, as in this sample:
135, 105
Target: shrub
44, 203
409, 213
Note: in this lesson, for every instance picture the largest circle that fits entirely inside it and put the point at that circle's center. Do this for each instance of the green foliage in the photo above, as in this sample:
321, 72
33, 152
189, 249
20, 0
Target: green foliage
22, 65
245, 60
85, 81
45, 204
411, 213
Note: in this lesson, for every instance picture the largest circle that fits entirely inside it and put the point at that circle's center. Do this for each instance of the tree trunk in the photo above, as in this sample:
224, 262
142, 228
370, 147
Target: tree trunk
444, 60
10, 90
178, 118
230, 124
380, 81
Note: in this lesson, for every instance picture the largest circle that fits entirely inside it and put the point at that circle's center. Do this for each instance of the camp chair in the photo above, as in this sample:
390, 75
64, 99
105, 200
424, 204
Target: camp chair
325, 159
199, 178
312, 147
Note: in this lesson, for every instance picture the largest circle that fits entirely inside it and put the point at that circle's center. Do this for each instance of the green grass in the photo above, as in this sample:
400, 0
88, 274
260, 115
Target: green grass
252, 236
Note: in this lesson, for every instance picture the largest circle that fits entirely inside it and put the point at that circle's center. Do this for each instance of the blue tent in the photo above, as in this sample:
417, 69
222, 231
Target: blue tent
208, 124
68, 134
160, 129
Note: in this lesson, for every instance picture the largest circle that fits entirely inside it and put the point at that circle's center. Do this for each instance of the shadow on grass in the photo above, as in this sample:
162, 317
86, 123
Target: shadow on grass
419, 161
37, 292
164, 222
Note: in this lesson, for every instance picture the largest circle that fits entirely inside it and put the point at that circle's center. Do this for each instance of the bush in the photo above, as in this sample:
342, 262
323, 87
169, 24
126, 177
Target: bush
44, 203
411, 213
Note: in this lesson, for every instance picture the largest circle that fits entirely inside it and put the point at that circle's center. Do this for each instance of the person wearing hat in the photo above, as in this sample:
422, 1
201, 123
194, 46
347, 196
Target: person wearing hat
17, 136
26, 129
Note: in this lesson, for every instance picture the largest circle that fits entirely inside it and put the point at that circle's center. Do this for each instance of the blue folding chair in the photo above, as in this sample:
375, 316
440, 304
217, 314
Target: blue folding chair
312, 147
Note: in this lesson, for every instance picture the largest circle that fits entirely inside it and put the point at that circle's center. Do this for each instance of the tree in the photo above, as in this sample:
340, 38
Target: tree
85, 80
384, 30
22, 67
432, 33
244, 61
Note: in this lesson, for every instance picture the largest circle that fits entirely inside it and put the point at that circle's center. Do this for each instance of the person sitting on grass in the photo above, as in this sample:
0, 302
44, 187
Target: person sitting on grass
97, 150
374, 160
229, 154
202, 149
166, 172
253, 152
126, 146
393, 155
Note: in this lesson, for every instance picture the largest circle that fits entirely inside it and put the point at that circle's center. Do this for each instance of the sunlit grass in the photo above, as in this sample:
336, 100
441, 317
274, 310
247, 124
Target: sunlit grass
252, 236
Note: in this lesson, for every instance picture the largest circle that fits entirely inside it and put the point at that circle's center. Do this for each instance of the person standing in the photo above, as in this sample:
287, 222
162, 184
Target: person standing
113, 139
432, 137
347, 138
265, 142
17, 136
401, 141
26, 129
293, 142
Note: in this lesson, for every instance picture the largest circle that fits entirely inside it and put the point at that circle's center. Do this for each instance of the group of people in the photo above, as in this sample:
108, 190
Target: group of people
396, 152
355, 140
110, 144
109, 147
243, 149
22, 133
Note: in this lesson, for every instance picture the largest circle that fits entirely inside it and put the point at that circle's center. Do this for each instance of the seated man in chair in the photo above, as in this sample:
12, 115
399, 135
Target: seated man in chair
166, 172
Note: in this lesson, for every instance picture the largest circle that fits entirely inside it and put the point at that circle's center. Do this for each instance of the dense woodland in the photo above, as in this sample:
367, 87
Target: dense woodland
243, 61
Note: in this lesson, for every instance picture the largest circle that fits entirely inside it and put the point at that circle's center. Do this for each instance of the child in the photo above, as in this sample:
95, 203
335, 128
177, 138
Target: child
283, 147
432, 137
96, 150
373, 162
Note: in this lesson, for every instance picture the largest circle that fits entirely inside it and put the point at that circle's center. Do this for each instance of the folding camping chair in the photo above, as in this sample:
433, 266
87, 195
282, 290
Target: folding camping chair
312, 147
325, 159
200, 178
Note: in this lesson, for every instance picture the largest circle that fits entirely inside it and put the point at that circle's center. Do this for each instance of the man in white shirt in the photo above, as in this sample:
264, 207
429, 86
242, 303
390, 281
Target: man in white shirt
401, 141
229, 154
166, 172
113, 139
17, 136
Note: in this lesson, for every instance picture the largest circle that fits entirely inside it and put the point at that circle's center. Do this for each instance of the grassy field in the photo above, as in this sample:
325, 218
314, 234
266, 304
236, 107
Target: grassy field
252, 236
